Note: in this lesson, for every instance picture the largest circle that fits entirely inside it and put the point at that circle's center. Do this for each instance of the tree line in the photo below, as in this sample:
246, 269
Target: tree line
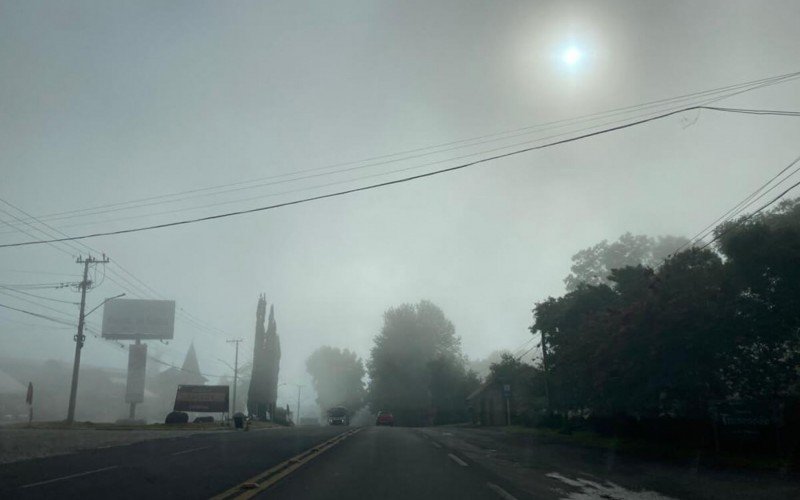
709, 324
416, 370
642, 331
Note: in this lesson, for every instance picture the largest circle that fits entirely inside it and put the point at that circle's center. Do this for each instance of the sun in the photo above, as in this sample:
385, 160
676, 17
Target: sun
572, 56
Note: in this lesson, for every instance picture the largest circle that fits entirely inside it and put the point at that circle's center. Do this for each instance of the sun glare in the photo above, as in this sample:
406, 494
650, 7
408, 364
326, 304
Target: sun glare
571, 56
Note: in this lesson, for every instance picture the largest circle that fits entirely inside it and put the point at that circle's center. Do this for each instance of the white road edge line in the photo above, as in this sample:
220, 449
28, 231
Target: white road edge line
500, 491
189, 450
69, 477
457, 460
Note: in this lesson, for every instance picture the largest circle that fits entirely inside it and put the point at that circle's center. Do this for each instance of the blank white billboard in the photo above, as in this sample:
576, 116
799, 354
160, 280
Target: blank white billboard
138, 318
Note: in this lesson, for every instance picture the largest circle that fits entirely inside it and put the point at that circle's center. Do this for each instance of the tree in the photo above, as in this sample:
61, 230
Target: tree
704, 325
593, 265
763, 259
526, 380
482, 367
337, 377
416, 365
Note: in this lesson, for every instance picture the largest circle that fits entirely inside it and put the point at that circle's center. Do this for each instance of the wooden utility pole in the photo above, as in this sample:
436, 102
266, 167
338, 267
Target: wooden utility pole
546, 377
80, 338
299, 390
235, 371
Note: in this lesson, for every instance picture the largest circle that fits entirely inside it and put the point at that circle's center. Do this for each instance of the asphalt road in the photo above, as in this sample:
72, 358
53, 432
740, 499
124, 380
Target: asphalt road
197, 466
391, 463
385, 463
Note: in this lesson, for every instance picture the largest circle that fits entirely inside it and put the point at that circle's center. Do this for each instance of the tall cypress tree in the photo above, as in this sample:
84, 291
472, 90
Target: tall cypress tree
256, 393
262, 394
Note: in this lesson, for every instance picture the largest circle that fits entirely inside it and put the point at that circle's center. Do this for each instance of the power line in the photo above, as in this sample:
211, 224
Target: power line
31, 313
27, 271
5, 321
195, 322
526, 352
90, 249
742, 87
521, 346
741, 206
35, 286
29, 301
39, 296
372, 186
750, 216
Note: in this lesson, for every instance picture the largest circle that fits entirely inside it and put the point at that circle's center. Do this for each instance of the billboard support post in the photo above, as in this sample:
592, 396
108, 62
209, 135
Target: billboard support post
137, 365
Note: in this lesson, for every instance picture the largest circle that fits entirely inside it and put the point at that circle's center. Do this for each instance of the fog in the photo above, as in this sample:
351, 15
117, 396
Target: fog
104, 103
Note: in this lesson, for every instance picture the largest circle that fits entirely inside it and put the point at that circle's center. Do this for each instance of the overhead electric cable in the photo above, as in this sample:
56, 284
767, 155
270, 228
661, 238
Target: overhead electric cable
39, 296
744, 87
750, 216
739, 207
368, 187
89, 328
361, 178
29, 301
31, 313
196, 323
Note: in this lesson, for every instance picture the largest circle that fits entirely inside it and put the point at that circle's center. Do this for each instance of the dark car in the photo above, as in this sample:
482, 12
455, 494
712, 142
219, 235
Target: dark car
385, 418
338, 416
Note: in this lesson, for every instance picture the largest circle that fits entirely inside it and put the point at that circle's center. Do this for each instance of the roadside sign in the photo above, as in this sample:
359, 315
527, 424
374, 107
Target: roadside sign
506, 391
137, 362
29, 395
205, 398
138, 319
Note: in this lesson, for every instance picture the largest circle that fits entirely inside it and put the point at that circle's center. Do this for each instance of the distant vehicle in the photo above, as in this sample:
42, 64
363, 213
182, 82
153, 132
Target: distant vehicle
385, 418
177, 417
338, 415
309, 421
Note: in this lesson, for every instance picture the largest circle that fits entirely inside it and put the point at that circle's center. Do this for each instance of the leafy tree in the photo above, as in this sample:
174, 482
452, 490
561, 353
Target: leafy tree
416, 367
337, 377
482, 367
593, 265
704, 325
763, 260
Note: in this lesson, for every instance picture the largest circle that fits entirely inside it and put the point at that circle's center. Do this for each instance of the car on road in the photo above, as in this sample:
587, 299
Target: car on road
338, 415
385, 418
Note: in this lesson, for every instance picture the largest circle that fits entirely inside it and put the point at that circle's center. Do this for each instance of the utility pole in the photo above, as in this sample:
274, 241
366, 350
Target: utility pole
299, 389
235, 369
80, 337
546, 377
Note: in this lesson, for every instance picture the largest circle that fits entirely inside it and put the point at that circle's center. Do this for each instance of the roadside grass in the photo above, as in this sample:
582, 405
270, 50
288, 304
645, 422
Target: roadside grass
701, 456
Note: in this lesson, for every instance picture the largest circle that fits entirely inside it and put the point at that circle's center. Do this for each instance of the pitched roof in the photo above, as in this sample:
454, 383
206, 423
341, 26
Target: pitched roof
190, 364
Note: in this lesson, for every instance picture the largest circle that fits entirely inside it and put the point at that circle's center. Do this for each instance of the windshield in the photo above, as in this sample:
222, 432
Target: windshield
414, 249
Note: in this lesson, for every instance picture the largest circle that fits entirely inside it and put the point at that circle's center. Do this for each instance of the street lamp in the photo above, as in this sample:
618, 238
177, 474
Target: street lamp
98, 306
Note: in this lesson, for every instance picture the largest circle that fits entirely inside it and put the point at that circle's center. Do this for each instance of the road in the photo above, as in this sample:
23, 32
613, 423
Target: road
369, 462
316, 463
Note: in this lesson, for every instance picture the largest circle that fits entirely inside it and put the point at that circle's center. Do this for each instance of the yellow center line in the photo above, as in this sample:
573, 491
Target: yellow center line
257, 484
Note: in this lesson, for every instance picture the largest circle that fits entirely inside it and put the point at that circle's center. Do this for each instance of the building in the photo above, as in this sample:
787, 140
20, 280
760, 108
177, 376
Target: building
487, 404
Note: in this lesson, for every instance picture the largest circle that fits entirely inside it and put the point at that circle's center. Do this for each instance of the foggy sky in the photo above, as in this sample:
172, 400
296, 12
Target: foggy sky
102, 102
